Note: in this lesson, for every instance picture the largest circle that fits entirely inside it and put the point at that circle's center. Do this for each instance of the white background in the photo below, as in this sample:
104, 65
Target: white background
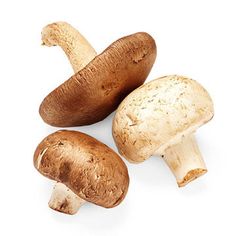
194, 38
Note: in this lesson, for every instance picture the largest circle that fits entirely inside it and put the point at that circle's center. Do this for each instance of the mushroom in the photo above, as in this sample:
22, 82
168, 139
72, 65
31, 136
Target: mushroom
95, 90
160, 118
86, 169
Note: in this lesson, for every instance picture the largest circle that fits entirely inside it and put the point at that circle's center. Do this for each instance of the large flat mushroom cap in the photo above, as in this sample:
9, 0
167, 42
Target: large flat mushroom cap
86, 166
158, 114
94, 92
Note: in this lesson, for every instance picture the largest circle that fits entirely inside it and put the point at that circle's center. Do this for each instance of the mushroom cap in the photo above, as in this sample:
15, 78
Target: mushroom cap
88, 167
159, 114
94, 92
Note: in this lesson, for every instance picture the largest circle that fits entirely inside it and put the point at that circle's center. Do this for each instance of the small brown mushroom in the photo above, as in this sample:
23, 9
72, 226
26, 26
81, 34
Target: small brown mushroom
160, 118
97, 89
86, 169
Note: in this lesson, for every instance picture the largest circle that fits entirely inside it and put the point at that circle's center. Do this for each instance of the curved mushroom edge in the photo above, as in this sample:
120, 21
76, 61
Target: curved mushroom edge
159, 114
94, 92
88, 167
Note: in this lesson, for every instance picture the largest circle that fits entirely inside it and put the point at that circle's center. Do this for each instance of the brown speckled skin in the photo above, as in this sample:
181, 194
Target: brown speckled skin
94, 92
88, 167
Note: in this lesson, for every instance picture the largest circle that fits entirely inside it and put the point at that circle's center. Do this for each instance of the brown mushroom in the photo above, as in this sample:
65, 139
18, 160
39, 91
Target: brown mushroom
86, 169
96, 90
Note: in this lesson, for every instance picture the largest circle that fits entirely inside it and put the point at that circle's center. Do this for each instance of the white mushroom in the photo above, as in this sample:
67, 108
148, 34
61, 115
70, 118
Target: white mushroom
160, 118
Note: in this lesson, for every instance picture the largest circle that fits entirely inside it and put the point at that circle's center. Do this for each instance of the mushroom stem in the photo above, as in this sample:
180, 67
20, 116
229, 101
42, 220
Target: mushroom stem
185, 160
64, 200
76, 47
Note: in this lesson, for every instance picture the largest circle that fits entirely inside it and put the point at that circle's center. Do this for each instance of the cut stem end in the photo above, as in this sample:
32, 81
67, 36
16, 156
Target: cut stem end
191, 175
185, 161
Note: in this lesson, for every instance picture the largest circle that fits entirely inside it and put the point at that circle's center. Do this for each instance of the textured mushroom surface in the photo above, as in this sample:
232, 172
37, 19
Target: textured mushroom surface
158, 115
86, 166
95, 91
76, 47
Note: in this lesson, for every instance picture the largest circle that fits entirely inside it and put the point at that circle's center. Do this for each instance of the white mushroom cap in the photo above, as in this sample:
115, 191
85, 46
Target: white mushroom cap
158, 115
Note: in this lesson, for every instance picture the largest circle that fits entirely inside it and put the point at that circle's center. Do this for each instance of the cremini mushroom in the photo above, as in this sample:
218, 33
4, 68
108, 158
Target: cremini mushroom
86, 170
160, 118
95, 90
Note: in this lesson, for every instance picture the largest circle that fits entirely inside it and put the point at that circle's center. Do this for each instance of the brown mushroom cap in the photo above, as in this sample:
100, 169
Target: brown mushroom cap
86, 166
94, 92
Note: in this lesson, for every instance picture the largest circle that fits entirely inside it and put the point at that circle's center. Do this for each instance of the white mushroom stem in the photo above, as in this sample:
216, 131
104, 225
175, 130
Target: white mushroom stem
64, 200
185, 160
76, 47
